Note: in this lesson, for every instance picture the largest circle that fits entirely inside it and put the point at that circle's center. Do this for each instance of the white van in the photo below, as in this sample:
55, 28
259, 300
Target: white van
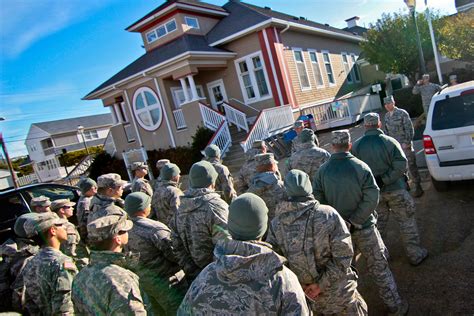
448, 138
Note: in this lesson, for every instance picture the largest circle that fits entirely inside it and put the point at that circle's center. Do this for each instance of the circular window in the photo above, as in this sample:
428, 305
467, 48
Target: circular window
147, 109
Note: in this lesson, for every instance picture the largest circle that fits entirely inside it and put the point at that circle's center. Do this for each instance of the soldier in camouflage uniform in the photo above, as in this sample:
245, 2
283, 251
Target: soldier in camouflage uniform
387, 161
48, 276
224, 182
108, 200
157, 263
201, 220
166, 196
348, 185
247, 277
106, 286
139, 183
296, 142
309, 157
266, 183
399, 126
40, 204
88, 189
427, 90
315, 240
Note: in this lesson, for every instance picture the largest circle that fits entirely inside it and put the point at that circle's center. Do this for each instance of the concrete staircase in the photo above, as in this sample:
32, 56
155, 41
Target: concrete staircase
235, 157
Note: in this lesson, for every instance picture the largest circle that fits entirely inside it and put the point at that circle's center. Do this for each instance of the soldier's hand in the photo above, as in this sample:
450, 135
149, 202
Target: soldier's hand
312, 291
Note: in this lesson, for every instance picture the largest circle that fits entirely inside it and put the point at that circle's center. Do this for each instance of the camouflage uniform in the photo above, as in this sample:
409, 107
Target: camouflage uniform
315, 240
201, 220
165, 201
105, 287
386, 159
427, 91
141, 185
308, 158
249, 171
247, 278
82, 212
157, 263
270, 188
296, 143
102, 205
224, 182
48, 278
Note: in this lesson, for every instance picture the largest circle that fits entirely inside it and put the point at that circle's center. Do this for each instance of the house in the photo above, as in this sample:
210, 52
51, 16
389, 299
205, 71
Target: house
204, 65
5, 179
46, 140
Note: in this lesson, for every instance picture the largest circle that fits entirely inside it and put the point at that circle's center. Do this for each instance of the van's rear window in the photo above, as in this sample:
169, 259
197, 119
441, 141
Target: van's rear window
453, 112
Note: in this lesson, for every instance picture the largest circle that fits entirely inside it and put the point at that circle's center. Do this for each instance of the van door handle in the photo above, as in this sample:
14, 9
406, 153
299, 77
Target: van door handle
445, 147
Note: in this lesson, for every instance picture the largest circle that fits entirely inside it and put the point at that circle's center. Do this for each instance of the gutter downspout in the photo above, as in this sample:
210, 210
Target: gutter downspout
286, 28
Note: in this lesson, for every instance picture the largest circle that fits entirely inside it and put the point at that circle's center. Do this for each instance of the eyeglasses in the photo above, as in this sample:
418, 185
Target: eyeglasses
122, 232
58, 225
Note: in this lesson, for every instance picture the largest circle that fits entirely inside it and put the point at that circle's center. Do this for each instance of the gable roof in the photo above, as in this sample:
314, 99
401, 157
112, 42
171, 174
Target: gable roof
180, 45
70, 124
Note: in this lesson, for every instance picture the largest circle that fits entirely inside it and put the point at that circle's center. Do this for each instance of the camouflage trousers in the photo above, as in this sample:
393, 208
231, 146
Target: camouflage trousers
401, 205
412, 167
369, 242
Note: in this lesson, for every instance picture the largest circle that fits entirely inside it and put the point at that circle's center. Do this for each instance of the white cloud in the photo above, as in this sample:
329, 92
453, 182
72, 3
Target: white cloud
53, 92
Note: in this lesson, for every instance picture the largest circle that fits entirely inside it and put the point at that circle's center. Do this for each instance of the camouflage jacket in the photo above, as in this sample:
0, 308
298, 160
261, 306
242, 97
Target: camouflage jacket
427, 91
105, 287
200, 222
247, 278
48, 279
272, 190
73, 238
249, 171
224, 182
308, 158
165, 201
398, 125
82, 211
152, 241
102, 205
141, 185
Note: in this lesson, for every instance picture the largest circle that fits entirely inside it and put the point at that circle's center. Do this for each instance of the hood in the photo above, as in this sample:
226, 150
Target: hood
103, 201
264, 179
291, 211
196, 198
242, 261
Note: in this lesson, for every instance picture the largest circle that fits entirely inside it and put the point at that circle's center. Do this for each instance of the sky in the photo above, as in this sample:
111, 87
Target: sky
54, 52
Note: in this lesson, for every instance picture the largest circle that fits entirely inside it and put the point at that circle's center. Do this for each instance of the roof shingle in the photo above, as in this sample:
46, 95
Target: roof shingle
70, 124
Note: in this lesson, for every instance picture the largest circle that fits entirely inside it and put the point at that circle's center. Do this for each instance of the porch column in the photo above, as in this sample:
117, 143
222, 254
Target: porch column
194, 95
114, 115
185, 90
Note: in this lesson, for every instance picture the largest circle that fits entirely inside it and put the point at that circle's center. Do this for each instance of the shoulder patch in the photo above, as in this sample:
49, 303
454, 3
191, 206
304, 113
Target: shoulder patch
69, 265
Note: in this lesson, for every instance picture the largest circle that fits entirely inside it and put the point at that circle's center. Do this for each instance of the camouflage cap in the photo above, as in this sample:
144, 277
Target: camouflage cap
19, 226
57, 204
107, 227
110, 180
340, 137
169, 171
138, 165
307, 135
136, 202
160, 163
85, 184
259, 144
371, 119
299, 123
41, 201
426, 76
265, 159
453, 77
297, 184
388, 99
212, 151
248, 217
202, 174
41, 222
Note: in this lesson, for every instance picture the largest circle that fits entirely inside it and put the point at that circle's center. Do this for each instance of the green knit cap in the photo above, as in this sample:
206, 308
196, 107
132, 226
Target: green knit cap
297, 184
169, 171
248, 217
307, 135
212, 151
136, 202
202, 175
86, 184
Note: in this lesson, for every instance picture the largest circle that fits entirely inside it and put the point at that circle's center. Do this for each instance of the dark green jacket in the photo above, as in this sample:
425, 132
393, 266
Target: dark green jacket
347, 184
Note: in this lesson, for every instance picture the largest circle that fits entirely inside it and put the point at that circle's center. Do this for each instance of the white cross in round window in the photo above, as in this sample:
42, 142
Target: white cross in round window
147, 108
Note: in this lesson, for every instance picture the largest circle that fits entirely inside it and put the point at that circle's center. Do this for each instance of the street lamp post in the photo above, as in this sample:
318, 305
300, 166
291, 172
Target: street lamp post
411, 4
80, 130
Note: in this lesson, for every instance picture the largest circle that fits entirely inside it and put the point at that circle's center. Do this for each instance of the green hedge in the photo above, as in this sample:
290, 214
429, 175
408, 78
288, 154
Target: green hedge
74, 157
104, 163
408, 101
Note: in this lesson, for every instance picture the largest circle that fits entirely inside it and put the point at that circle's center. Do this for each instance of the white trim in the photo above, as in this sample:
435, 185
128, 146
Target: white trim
330, 65
297, 49
355, 66
165, 26
178, 105
184, 87
310, 104
270, 55
194, 18
212, 84
348, 71
147, 109
285, 70
192, 85
311, 50
170, 132
133, 119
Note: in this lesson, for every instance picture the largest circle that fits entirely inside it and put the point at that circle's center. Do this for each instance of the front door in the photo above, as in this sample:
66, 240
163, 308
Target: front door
217, 94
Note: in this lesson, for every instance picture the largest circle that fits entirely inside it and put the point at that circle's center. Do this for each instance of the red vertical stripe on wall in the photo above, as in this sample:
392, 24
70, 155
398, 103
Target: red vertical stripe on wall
268, 67
276, 62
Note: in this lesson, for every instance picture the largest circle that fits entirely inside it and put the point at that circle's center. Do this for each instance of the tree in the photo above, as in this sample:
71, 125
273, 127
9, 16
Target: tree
456, 36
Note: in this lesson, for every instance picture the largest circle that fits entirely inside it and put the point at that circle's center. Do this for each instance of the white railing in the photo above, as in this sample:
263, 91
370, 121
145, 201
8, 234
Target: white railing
222, 138
322, 113
269, 122
211, 118
236, 117
28, 179
179, 119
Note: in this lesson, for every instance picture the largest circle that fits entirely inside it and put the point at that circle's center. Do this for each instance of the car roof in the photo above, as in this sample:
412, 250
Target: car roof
455, 88
33, 186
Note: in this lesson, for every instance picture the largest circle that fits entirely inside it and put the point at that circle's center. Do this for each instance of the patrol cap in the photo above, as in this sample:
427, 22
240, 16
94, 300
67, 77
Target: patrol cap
57, 204
202, 174
19, 227
136, 202
388, 99
107, 227
169, 171
453, 77
297, 184
86, 184
340, 137
259, 144
426, 76
160, 163
212, 151
265, 159
299, 123
248, 217
41, 222
371, 119
138, 165
307, 135
41, 201
110, 180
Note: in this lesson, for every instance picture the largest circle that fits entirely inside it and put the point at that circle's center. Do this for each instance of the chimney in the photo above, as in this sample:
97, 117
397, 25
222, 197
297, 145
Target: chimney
351, 22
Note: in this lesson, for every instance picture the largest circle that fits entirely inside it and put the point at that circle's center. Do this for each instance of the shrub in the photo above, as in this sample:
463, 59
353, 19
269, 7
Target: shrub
104, 163
74, 157
408, 101
200, 140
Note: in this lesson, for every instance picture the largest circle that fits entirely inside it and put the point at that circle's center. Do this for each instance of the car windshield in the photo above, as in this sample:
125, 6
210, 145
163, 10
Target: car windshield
53, 192
453, 112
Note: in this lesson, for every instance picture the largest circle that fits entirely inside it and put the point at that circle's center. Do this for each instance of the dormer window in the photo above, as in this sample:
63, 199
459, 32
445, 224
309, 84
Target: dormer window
191, 22
161, 31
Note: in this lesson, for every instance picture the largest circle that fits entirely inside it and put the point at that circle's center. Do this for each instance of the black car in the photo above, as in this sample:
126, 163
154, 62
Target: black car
15, 202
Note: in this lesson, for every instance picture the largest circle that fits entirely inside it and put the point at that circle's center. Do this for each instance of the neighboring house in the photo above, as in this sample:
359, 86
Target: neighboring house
5, 179
463, 5
47, 140
241, 59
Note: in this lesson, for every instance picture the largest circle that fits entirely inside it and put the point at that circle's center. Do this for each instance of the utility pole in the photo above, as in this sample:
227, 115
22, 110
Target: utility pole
433, 42
9, 163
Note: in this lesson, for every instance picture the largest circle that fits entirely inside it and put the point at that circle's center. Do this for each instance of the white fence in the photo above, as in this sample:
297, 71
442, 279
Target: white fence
236, 117
28, 179
211, 118
179, 119
270, 122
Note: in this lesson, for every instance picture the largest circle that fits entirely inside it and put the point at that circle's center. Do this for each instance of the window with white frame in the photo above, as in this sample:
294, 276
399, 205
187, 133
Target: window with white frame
147, 108
191, 22
91, 134
347, 68
253, 77
179, 98
328, 67
355, 68
161, 31
301, 69
318, 76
